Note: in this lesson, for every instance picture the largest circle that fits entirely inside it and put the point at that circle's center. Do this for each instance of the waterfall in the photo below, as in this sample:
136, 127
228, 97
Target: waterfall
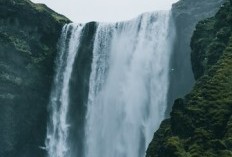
57, 134
128, 85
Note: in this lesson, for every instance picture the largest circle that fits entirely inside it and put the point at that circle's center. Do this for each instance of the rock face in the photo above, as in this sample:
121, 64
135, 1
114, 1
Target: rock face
28, 37
200, 124
187, 13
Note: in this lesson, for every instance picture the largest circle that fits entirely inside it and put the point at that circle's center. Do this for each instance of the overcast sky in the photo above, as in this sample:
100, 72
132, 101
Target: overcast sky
81, 11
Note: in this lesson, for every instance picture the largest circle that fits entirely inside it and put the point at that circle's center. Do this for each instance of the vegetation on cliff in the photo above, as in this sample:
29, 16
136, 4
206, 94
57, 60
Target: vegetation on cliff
28, 37
186, 14
201, 124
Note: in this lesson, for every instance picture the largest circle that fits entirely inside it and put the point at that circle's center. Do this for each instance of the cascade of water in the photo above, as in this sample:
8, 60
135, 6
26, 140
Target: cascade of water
127, 89
57, 131
128, 85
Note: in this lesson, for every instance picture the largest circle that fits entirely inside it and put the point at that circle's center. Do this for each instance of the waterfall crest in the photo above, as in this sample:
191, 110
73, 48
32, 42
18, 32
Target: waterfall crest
128, 87
57, 131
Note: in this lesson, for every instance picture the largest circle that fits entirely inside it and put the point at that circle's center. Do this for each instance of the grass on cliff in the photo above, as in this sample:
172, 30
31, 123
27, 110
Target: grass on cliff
42, 8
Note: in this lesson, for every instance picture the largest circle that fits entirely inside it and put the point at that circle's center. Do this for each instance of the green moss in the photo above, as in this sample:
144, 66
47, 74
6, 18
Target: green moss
28, 40
38, 59
201, 123
210, 40
43, 8
20, 44
10, 78
175, 147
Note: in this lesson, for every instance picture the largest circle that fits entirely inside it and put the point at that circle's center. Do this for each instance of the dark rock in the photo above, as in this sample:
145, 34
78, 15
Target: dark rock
28, 38
79, 87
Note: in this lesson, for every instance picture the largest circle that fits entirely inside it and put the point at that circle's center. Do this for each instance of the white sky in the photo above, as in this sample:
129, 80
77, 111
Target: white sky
81, 11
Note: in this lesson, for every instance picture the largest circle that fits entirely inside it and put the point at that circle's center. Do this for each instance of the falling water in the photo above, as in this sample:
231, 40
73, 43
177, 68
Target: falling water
127, 89
128, 85
57, 134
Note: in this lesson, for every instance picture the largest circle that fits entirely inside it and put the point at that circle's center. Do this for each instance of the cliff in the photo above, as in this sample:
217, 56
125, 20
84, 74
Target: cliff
186, 14
28, 37
200, 123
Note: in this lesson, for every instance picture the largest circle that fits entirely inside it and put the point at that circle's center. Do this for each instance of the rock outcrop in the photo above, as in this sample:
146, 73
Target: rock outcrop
186, 14
28, 37
200, 123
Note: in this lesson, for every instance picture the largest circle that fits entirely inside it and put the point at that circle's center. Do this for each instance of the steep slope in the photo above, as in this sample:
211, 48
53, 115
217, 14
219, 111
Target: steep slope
28, 37
186, 13
200, 124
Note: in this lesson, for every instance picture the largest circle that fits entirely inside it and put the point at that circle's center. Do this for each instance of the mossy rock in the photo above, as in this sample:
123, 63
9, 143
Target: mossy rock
28, 45
200, 124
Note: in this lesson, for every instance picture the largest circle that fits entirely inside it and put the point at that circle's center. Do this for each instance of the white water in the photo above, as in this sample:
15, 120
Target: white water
127, 89
57, 134
128, 85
